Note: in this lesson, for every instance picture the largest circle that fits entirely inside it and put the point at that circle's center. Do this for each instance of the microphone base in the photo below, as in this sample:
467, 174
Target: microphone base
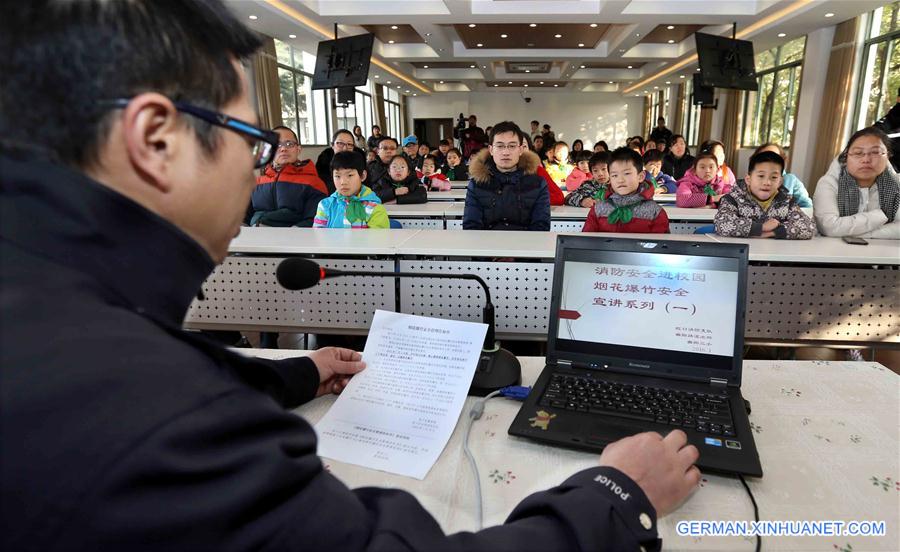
496, 370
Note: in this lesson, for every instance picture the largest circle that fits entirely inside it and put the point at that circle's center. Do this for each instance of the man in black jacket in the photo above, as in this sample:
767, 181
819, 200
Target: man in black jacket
120, 431
377, 169
341, 140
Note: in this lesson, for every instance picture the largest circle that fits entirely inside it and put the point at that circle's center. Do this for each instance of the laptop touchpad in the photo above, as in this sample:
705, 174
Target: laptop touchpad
606, 433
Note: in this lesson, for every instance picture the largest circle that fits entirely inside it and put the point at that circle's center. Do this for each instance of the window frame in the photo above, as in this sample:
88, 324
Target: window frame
777, 70
859, 110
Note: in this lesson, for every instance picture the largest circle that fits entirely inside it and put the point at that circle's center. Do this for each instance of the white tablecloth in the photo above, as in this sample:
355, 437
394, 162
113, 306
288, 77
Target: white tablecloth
827, 434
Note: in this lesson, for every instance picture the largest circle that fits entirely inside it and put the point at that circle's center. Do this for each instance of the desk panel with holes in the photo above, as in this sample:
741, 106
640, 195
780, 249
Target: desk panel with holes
243, 293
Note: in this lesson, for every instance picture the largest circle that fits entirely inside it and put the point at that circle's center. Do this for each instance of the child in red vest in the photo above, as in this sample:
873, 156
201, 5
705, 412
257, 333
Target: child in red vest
430, 177
629, 205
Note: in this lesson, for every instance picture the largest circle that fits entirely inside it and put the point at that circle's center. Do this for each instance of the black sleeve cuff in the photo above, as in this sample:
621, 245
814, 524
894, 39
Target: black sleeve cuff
301, 380
780, 232
756, 228
627, 499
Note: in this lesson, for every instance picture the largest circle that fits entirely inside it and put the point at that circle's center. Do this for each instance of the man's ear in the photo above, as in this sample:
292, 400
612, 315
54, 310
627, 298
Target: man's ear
152, 134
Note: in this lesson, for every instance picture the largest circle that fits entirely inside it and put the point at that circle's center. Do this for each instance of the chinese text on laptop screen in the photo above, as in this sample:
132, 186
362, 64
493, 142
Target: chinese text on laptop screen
649, 300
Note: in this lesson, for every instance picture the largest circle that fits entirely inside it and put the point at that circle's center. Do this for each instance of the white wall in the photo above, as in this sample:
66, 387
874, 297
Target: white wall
590, 116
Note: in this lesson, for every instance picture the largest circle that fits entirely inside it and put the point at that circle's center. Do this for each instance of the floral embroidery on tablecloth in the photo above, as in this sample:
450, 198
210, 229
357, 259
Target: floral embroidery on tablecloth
790, 392
756, 428
501, 477
822, 438
885, 483
847, 548
855, 438
489, 433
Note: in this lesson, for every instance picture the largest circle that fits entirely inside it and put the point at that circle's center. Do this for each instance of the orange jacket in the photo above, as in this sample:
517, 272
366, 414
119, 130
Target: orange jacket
302, 172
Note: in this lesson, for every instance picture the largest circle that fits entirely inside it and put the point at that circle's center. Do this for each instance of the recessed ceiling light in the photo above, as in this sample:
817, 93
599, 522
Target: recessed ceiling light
254, 18
557, 36
829, 14
542, 82
407, 91
582, 66
510, 82
394, 27
656, 88
593, 25
622, 50
440, 49
527, 70
479, 45
670, 27
503, 36
442, 82
781, 35
533, 25
555, 85
496, 85
292, 36
668, 82
377, 76
671, 41
484, 66
581, 44
388, 82
414, 94
630, 66
637, 34
471, 25
398, 86
680, 76
698, 68
645, 92
426, 34
471, 67
390, 41
526, 86
424, 67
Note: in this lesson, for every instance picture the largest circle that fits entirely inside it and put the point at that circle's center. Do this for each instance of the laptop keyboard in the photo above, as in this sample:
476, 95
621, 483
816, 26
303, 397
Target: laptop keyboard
703, 412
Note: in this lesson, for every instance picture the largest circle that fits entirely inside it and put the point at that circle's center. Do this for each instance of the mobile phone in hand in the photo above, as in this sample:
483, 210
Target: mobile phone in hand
853, 240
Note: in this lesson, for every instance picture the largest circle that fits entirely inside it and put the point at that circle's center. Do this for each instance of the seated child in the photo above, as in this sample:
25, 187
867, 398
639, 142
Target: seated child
352, 205
454, 168
429, 177
701, 185
594, 190
663, 183
763, 207
557, 164
581, 172
628, 205
399, 184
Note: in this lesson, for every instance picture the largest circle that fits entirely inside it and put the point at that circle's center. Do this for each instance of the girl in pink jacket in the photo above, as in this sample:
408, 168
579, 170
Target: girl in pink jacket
701, 186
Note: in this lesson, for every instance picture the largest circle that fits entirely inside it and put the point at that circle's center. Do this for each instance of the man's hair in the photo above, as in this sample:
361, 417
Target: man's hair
62, 58
601, 143
473, 117
765, 157
658, 119
583, 155
599, 158
386, 138
376, 126
348, 160
535, 122
282, 127
627, 155
546, 126
444, 142
652, 156
503, 128
338, 132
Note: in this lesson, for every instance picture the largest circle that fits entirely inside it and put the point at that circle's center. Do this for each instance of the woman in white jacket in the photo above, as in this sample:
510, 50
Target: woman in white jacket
860, 194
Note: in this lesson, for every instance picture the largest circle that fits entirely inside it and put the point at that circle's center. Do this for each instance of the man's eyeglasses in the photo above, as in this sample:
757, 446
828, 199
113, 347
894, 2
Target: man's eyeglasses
263, 143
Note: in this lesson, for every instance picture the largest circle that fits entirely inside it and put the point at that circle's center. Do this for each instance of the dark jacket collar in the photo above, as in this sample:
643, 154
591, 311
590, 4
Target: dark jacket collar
146, 262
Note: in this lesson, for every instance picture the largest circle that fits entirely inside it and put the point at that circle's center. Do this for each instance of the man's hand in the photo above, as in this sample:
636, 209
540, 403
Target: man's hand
336, 366
662, 467
402, 190
588, 202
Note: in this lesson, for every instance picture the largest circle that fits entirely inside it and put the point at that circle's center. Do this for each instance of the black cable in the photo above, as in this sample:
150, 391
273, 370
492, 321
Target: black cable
755, 510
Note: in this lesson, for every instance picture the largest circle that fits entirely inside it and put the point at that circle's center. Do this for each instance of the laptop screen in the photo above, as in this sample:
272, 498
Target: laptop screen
663, 307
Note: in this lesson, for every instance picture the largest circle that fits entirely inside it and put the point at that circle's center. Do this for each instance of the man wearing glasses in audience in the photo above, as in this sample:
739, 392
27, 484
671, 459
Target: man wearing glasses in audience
121, 431
378, 167
288, 190
341, 140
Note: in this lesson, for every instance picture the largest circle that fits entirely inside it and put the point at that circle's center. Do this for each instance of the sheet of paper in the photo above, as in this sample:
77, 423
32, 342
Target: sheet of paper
398, 414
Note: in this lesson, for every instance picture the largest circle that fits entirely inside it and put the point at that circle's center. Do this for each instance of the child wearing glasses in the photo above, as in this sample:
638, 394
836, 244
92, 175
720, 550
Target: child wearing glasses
352, 205
400, 184
761, 207
859, 195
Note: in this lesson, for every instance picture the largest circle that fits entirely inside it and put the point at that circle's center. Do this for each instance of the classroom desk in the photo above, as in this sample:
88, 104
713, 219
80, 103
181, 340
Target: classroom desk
821, 291
459, 184
826, 433
452, 195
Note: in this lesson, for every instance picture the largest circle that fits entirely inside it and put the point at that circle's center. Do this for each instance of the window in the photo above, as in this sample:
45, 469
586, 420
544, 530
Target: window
691, 128
769, 113
880, 76
392, 112
302, 109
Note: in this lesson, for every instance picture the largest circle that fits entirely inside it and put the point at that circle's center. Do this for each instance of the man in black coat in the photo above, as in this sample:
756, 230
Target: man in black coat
341, 140
377, 169
121, 431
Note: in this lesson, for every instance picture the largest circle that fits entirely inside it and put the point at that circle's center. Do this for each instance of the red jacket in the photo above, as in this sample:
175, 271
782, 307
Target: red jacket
556, 195
659, 225
302, 172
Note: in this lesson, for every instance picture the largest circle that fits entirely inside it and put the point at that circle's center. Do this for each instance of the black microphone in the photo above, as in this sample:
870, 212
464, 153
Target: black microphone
497, 367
